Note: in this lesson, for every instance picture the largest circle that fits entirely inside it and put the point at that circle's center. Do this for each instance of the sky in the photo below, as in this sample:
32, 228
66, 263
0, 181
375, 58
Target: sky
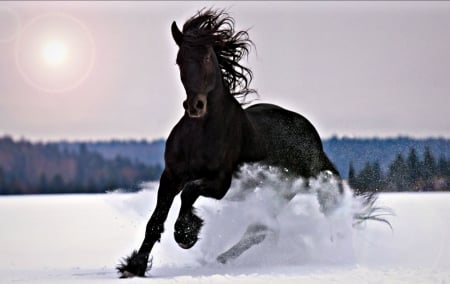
102, 70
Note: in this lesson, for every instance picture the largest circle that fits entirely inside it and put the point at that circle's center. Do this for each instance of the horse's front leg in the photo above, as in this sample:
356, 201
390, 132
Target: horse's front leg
136, 263
188, 225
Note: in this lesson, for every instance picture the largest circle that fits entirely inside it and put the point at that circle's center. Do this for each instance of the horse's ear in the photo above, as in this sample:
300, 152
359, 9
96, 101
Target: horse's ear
176, 34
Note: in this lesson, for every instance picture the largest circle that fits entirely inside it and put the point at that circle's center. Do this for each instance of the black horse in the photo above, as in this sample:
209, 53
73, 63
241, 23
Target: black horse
216, 135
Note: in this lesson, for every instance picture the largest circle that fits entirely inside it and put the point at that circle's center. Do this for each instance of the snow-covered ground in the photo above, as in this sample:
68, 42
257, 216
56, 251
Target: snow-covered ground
81, 238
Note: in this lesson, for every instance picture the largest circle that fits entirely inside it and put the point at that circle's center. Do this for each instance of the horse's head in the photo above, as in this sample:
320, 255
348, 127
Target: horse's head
199, 72
208, 57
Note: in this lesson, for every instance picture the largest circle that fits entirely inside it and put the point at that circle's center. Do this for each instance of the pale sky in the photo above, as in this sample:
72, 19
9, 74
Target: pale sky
102, 70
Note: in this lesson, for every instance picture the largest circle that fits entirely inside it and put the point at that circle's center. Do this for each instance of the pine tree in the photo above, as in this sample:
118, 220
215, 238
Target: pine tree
442, 166
378, 178
57, 184
2, 180
43, 183
351, 176
398, 172
447, 171
364, 177
413, 167
371, 177
429, 165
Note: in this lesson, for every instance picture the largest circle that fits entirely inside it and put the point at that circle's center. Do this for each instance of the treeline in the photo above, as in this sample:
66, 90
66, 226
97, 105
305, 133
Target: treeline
145, 152
30, 168
344, 150
405, 173
393, 164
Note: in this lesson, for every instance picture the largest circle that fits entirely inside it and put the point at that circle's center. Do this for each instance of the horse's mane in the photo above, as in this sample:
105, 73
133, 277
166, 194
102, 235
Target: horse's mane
216, 28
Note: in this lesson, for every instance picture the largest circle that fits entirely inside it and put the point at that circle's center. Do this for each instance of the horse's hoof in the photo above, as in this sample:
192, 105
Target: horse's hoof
187, 229
136, 265
187, 246
126, 274
222, 259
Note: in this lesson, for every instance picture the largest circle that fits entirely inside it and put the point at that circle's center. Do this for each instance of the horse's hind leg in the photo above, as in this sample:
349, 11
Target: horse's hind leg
257, 232
254, 235
330, 192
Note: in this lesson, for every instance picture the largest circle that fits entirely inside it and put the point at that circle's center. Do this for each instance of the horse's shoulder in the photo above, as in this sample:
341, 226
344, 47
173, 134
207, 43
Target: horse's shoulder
175, 144
174, 133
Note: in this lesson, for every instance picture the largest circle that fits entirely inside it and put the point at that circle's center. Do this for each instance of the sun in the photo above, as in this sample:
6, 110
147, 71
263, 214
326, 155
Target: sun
54, 53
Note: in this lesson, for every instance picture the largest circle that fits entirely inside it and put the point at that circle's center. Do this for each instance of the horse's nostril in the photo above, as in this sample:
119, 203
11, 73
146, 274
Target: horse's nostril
200, 105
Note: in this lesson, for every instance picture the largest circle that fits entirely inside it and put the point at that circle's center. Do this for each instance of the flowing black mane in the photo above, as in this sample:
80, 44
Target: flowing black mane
216, 28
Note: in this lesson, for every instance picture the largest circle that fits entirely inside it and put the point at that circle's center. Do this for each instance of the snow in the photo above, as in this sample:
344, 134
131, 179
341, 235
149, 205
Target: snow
81, 238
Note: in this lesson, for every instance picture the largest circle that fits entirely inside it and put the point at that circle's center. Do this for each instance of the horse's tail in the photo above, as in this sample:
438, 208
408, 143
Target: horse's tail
369, 210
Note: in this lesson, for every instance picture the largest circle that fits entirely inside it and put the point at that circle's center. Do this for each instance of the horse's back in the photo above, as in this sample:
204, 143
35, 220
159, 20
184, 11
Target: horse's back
288, 139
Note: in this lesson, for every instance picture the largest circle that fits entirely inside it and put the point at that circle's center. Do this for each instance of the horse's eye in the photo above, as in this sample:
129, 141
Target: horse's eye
207, 58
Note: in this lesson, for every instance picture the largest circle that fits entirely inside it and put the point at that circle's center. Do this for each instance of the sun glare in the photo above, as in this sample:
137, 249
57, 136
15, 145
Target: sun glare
54, 53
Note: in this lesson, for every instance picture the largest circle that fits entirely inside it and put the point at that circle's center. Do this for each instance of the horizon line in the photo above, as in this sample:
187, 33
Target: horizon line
18, 138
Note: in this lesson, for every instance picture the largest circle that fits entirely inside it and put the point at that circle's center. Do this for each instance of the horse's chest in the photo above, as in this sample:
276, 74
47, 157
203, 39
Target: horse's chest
195, 157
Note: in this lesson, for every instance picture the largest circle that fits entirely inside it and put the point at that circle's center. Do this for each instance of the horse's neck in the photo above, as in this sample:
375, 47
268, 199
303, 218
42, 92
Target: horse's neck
224, 106
224, 121
238, 131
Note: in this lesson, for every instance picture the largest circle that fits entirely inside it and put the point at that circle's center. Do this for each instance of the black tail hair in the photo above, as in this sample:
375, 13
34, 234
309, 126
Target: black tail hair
370, 211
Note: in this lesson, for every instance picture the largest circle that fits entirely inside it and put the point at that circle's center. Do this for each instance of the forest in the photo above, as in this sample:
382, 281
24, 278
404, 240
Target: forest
408, 173
31, 168
392, 164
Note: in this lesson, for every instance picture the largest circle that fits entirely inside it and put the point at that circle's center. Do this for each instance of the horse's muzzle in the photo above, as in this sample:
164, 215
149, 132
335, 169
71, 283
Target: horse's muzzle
196, 106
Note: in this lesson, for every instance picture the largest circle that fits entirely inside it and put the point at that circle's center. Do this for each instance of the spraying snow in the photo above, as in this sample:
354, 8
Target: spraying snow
308, 222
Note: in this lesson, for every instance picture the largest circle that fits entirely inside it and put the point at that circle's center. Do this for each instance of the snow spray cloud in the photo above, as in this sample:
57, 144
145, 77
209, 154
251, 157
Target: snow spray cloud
309, 221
